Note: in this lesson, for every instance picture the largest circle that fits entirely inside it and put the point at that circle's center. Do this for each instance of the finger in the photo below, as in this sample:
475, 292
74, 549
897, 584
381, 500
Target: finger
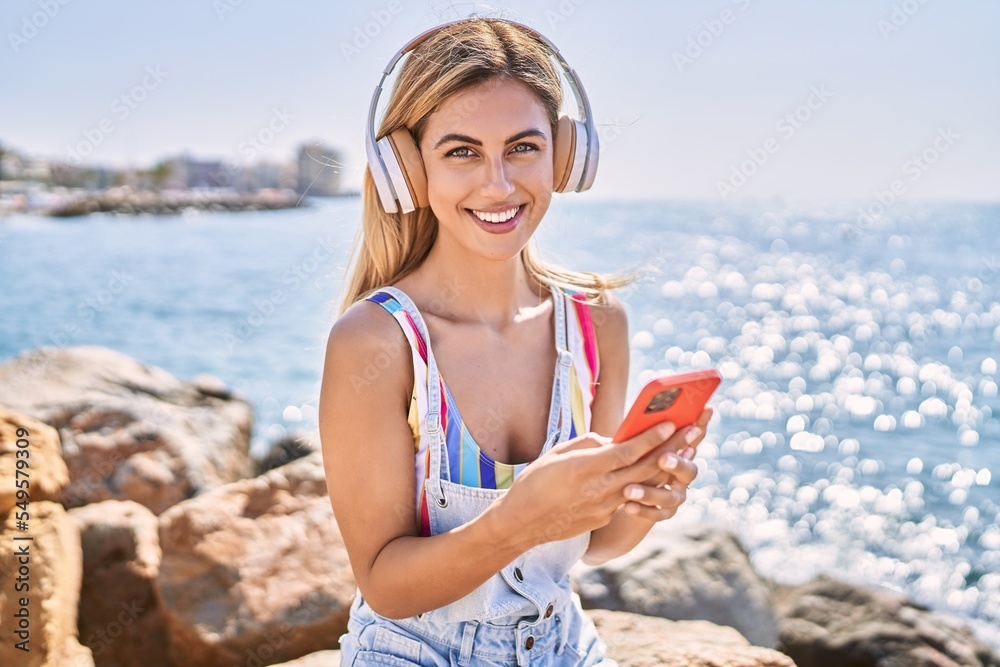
628, 452
651, 514
667, 470
687, 439
681, 469
672, 496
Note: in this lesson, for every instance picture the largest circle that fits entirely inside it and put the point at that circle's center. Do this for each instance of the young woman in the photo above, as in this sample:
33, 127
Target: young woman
463, 503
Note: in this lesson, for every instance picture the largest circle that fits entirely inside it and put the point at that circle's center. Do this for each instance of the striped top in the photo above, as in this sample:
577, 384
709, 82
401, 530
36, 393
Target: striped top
468, 464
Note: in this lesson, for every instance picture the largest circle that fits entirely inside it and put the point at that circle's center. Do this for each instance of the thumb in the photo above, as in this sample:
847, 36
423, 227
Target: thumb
629, 451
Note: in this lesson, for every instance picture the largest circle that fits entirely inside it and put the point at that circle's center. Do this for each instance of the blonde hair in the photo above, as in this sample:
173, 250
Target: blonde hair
388, 246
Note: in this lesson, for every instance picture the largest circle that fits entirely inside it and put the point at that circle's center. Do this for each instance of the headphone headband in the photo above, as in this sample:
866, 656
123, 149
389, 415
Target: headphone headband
391, 186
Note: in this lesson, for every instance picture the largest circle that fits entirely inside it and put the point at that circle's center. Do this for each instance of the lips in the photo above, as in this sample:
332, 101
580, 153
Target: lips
504, 212
499, 227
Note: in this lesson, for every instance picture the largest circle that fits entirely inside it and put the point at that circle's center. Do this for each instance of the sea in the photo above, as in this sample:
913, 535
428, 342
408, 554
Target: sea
857, 428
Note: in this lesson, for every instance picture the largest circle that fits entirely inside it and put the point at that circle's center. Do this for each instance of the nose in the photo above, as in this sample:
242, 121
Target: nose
497, 184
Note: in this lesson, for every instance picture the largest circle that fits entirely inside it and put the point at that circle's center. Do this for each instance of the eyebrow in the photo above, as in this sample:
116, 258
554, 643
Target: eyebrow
531, 132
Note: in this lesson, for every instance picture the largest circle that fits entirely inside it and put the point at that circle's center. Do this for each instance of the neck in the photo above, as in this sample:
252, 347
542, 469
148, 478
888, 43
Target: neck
479, 290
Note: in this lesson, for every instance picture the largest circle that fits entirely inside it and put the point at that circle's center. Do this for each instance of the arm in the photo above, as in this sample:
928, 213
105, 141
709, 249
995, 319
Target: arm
607, 412
368, 458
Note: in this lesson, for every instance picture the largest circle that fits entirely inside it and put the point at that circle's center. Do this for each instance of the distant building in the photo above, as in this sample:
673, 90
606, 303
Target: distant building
319, 170
186, 172
288, 175
24, 168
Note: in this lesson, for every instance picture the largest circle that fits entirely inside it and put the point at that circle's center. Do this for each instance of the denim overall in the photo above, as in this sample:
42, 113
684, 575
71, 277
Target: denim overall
526, 614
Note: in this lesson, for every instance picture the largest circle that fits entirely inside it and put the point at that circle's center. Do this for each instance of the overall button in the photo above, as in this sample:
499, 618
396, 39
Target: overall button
529, 642
548, 612
518, 576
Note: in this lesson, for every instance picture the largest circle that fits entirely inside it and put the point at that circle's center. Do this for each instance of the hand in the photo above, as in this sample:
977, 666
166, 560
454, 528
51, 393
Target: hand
663, 493
578, 485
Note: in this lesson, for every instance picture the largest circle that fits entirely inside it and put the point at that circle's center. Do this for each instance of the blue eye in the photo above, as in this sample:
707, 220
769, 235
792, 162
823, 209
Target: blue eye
454, 152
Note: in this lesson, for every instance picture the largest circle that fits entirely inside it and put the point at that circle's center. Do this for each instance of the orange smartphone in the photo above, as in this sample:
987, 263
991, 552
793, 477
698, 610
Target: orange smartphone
678, 398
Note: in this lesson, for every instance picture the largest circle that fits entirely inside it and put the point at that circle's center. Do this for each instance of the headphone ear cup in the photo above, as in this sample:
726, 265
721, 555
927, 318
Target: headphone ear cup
563, 152
411, 164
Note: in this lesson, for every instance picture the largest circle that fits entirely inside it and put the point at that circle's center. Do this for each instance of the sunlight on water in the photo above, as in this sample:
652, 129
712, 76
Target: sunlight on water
856, 429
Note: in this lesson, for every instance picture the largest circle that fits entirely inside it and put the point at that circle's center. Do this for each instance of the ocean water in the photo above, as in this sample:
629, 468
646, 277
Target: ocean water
857, 428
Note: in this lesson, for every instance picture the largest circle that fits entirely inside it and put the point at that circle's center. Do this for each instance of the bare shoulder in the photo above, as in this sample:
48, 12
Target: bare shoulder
366, 441
365, 323
366, 347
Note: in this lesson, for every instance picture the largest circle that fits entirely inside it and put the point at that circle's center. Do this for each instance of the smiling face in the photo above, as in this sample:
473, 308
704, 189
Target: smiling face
488, 149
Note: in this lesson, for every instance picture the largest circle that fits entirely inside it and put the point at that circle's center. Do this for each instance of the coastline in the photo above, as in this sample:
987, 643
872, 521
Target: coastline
125, 200
169, 202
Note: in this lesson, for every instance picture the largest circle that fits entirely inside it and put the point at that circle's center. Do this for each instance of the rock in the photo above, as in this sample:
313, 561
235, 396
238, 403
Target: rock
210, 386
255, 570
124, 200
318, 659
293, 446
684, 573
48, 568
829, 622
120, 618
635, 640
43, 470
130, 431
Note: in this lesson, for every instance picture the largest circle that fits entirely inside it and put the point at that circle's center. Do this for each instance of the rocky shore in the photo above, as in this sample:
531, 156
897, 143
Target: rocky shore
157, 540
130, 202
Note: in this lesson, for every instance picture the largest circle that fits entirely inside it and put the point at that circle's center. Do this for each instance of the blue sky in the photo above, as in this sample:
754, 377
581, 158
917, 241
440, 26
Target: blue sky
887, 80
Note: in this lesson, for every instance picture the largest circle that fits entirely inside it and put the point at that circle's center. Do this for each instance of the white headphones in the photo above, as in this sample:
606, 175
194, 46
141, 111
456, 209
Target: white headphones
398, 170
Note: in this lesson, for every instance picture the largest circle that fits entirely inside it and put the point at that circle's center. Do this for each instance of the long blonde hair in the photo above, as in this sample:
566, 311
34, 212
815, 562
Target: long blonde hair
388, 246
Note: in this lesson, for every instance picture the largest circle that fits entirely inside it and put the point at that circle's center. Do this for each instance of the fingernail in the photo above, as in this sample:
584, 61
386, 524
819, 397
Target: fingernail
633, 493
667, 429
688, 453
668, 461
692, 435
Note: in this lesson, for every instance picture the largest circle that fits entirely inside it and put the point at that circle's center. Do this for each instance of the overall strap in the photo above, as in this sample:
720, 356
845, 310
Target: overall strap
560, 301
438, 446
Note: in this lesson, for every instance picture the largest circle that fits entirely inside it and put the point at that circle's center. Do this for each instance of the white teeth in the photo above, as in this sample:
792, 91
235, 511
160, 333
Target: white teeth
497, 217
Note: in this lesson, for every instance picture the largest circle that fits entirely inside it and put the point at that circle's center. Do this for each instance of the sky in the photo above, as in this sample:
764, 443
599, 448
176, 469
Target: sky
723, 100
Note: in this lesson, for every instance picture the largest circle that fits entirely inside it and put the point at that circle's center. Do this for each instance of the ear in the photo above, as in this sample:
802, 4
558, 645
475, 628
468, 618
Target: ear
411, 163
563, 151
